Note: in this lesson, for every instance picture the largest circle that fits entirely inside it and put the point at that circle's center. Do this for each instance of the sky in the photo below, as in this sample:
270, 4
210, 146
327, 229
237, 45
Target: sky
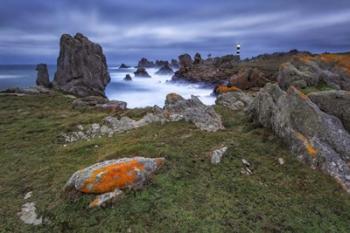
130, 29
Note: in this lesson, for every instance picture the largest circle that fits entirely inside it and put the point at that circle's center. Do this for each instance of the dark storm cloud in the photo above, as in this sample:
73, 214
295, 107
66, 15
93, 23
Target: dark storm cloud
127, 30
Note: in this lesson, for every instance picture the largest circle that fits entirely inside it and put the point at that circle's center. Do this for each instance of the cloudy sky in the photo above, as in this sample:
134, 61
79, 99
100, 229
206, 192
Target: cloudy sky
130, 29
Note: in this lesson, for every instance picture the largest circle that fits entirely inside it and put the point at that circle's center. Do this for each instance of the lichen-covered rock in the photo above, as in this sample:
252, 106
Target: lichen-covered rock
81, 67
334, 102
193, 110
28, 214
108, 177
315, 137
248, 78
43, 76
141, 72
237, 100
307, 70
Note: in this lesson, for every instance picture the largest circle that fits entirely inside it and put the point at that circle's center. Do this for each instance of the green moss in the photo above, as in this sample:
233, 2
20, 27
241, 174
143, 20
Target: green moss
188, 194
320, 87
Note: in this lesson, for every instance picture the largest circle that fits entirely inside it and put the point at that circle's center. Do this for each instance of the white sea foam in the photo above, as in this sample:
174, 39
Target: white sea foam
10, 76
142, 92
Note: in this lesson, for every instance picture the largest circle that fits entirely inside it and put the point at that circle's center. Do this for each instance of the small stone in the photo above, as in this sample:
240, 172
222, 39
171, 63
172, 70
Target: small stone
28, 195
281, 161
28, 214
96, 146
217, 155
245, 162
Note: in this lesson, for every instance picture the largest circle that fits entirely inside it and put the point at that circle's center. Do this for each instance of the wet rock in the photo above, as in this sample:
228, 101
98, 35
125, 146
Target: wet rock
217, 154
28, 214
145, 63
128, 77
81, 67
43, 76
335, 102
165, 70
316, 138
123, 66
141, 72
235, 101
109, 177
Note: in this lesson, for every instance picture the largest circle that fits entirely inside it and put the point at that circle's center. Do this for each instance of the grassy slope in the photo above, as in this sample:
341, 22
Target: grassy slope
187, 195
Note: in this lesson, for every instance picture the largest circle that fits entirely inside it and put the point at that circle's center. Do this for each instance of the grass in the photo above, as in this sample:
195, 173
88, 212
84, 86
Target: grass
320, 87
188, 194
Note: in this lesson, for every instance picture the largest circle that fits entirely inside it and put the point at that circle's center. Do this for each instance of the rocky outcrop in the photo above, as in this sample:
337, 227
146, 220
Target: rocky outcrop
197, 59
145, 63
99, 102
161, 63
128, 77
185, 61
193, 110
43, 76
249, 78
123, 66
174, 64
222, 88
81, 67
307, 70
315, 137
108, 178
141, 72
176, 108
335, 102
165, 70
235, 101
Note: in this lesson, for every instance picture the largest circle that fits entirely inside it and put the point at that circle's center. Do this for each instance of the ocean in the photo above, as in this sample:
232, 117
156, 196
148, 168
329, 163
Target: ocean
140, 92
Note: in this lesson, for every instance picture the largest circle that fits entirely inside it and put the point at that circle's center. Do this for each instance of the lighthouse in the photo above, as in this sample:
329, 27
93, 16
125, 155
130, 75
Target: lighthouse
238, 49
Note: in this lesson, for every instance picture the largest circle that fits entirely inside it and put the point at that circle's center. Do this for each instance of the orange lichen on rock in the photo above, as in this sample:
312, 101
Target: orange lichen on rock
224, 89
108, 178
293, 89
310, 149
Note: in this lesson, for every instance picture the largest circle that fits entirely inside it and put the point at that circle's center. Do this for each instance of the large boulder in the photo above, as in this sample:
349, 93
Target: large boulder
334, 102
237, 100
306, 70
109, 177
81, 67
249, 78
193, 110
165, 70
141, 72
315, 137
42, 76
185, 61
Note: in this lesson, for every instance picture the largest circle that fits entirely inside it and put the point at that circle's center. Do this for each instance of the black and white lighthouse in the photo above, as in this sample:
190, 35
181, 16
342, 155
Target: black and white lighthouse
238, 49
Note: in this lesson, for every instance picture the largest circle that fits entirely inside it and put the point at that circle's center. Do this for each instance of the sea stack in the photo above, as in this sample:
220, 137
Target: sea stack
43, 76
81, 67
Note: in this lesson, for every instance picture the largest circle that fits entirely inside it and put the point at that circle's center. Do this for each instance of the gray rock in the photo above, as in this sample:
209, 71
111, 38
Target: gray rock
42, 76
193, 110
99, 102
81, 67
316, 138
165, 70
335, 102
217, 154
28, 214
236, 100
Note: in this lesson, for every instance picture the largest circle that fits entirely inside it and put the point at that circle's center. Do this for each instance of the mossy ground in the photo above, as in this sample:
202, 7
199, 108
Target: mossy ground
188, 194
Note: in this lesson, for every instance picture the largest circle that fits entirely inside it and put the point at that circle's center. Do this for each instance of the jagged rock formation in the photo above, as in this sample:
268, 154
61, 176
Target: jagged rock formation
197, 59
249, 78
141, 72
161, 63
307, 70
81, 67
174, 64
43, 76
334, 102
315, 137
108, 178
128, 77
165, 70
237, 100
176, 108
145, 63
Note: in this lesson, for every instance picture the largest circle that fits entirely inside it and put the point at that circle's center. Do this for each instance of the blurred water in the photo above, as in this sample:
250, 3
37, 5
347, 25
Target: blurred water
139, 92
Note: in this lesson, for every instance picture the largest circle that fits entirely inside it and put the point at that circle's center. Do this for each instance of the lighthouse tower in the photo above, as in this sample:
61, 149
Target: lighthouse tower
238, 49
